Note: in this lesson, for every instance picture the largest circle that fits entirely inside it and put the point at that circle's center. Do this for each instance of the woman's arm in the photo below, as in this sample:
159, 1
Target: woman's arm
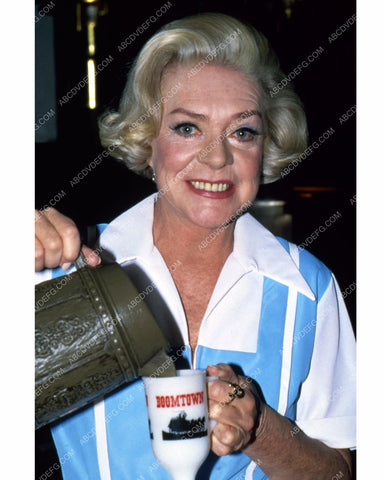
277, 445
284, 451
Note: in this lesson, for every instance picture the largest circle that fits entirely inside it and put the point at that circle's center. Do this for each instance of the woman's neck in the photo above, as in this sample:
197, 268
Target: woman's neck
195, 257
179, 240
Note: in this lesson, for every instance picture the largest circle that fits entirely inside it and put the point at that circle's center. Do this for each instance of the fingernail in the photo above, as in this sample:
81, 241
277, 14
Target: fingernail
66, 265
93, 256
214, 366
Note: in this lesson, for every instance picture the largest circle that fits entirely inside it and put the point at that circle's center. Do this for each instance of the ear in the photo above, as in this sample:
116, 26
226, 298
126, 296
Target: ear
150, 158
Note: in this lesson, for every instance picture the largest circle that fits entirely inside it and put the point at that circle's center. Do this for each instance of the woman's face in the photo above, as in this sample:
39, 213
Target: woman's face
208, 153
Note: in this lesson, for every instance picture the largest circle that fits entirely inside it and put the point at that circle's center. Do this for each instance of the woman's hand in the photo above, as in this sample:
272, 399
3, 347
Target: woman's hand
237, 420
57, 241
264, 435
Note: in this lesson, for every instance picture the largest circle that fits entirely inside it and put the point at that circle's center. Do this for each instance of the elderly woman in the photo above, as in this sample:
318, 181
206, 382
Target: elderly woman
200, 114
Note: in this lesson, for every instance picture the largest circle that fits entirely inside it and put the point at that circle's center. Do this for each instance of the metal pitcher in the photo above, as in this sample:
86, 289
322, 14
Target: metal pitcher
93, 334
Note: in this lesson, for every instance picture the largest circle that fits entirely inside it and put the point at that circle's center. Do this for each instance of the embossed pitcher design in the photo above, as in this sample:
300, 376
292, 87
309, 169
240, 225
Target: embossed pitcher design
91, 338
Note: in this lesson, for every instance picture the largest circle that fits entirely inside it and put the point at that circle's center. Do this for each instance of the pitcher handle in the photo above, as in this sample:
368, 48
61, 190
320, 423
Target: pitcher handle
80, 261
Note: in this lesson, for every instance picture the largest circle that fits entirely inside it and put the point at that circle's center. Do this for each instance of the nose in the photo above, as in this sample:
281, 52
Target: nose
216, 154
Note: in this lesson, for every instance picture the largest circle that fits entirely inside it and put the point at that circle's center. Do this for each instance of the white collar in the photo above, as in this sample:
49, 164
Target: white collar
258, 248
129, 236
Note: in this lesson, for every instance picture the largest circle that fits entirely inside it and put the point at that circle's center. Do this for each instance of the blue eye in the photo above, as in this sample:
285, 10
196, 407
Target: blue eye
184, 129
245, 134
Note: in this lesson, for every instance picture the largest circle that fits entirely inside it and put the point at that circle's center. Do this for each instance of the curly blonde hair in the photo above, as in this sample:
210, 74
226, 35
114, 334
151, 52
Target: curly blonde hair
192, 41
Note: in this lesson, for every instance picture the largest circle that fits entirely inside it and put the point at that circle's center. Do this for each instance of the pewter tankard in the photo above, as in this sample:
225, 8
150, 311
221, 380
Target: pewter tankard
94, 332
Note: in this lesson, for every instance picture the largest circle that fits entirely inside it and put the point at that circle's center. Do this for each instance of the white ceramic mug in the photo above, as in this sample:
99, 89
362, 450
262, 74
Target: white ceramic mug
178, 421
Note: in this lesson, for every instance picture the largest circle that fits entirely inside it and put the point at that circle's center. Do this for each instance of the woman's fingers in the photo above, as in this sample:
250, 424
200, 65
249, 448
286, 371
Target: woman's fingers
236, 416
91, 256
227, 439
238, 412
57, 240
223, 371
39, 255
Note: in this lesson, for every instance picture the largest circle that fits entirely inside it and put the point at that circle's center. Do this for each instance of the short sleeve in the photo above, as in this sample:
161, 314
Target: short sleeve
326, 409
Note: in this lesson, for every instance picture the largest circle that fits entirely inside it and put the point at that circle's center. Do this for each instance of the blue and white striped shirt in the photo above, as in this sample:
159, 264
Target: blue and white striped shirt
276, 312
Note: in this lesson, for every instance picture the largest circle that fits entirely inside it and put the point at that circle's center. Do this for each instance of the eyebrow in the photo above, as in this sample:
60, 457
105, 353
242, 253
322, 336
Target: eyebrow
200, 116
247, 114
189, 113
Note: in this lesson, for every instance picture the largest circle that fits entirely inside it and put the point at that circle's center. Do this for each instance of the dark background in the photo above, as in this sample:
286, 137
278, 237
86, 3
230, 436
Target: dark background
67, 142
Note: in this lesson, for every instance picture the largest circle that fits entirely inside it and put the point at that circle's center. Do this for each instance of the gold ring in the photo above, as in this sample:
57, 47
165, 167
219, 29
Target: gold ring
238, 392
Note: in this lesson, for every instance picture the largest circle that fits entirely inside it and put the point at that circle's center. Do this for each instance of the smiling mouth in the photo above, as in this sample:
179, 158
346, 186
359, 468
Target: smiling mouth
211, 187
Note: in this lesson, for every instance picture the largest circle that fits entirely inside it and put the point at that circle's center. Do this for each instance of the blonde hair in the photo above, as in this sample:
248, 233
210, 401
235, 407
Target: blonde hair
192, 41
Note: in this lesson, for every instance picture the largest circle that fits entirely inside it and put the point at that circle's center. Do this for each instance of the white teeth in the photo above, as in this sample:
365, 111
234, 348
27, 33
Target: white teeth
211, 187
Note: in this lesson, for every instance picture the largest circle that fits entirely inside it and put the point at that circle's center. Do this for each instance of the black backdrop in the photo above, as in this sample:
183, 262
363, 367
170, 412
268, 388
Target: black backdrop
326, 87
